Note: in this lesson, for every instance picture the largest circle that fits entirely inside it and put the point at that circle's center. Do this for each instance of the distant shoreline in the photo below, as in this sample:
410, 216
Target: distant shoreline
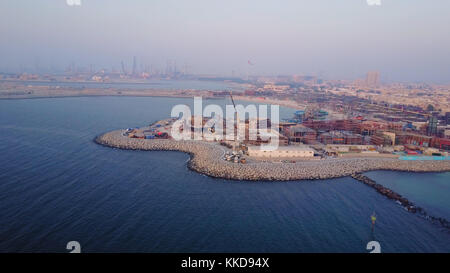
156, 93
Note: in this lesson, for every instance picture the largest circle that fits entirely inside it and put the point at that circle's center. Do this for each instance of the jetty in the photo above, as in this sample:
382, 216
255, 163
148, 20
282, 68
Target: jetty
408, 205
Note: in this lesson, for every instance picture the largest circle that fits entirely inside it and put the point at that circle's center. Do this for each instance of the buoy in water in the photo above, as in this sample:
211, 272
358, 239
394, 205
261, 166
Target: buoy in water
373, 218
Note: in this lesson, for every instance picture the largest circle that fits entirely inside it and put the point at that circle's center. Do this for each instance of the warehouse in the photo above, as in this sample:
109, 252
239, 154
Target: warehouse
281, 152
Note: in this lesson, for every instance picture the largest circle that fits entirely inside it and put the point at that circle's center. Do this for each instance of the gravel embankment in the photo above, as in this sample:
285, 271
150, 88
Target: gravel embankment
207, 158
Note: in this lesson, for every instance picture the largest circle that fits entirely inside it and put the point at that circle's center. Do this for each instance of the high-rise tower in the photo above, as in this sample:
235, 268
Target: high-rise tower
373, 79
134, 72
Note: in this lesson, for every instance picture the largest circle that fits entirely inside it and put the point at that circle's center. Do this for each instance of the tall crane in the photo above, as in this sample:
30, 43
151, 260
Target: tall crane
236, 140
134, 71
123, 68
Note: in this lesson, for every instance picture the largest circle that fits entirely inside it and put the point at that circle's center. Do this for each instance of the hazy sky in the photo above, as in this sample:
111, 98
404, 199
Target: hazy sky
406, 40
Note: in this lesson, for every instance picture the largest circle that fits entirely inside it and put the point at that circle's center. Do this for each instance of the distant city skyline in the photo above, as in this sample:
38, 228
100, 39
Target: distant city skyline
404, 40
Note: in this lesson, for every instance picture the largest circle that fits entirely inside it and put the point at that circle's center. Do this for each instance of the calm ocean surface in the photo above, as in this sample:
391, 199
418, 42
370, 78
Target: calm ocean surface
57, 185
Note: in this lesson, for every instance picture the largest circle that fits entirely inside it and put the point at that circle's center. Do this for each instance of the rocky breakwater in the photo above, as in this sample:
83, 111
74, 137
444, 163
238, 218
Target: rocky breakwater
207, 158
408, 205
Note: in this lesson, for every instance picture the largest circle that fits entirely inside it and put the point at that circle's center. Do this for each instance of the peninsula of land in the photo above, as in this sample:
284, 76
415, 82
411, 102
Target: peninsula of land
208, 158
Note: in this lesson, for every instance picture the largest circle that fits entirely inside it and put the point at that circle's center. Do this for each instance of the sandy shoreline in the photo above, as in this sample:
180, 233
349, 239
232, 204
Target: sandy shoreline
43, 92
207, 158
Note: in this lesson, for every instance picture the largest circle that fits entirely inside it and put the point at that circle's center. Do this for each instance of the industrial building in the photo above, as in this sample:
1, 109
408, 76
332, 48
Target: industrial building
281, 152
302, 134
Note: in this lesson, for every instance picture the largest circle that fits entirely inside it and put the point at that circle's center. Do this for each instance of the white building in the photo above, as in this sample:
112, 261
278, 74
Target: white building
281, 151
